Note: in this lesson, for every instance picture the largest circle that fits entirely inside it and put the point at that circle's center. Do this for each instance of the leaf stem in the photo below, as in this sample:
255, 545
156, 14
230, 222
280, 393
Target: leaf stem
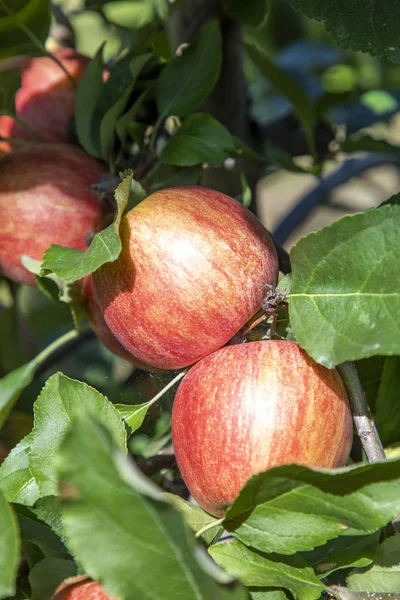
209, 526
168, 386
362, 416
51, 348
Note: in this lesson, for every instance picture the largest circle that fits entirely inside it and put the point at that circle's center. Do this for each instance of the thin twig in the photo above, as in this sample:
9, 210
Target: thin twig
362, 416
63, 351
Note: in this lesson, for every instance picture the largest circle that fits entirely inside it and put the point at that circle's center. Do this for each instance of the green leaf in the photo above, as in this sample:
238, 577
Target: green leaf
24, 25
150, 554
47, 509
11, 386
269, 594
188, 79
200, 139
90, 90
46, 576
115, 98
387, 407
9, 545
195, 517
361, 25
71, 265
384, 574
16, 480
343, 552
289, 87
36, 533
251, 13
59, 401
133, 415
255, 569
10, 82
167, 176
366, 143
292, 508
345, 297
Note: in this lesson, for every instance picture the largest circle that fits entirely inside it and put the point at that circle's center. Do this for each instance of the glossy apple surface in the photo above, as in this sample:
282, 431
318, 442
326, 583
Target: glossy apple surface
194, 267
45, 199
99, 325
81, 588
46, 98
247, 408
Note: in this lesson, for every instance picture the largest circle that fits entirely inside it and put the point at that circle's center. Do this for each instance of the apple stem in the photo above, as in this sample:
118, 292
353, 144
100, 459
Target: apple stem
168, 386
362, 416
208, 527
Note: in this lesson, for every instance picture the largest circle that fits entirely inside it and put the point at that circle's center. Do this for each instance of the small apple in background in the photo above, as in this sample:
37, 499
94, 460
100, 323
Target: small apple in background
194, 268
247, 408
46, 98
81, 588
45, 199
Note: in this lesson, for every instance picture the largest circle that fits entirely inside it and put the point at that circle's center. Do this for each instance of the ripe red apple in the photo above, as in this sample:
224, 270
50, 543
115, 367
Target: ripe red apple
194, 268
45, 199
46, 98
247, 408
81, 588
100, 327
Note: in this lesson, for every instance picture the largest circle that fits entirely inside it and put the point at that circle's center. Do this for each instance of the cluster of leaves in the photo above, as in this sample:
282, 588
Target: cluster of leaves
71, 499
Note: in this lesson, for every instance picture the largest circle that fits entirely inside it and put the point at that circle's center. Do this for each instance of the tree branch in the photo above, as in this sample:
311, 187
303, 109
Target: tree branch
363, 420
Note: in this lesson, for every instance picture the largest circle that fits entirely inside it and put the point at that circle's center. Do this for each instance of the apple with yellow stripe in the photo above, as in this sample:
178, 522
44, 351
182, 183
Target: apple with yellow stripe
194, 268
247, 408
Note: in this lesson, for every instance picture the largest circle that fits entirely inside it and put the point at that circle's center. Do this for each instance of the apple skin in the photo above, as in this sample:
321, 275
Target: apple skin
247, 408
81, 588
46, 98
45, 199
194, 268
100, 327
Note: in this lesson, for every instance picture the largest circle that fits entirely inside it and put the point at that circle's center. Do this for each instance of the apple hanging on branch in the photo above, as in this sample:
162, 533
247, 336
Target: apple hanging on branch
194, 268
45, 199
250, 407
46, 99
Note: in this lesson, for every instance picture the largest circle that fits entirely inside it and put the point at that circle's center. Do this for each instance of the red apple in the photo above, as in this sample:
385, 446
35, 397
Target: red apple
247, 408
46, 98
99, 325
45, 199
194, 268
81, 588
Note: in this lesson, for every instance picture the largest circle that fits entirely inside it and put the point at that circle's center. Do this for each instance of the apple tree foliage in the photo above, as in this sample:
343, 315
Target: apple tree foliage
72, 499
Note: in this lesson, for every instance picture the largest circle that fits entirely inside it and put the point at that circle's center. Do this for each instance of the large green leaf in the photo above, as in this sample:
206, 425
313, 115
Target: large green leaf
21, 23
255, 569
188, 79
59, 401
149, 553
200, 139
291, 508
345, 296
384, 574
16, 480
360, 25
9, 549
70, 265
289, 87
343, 552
